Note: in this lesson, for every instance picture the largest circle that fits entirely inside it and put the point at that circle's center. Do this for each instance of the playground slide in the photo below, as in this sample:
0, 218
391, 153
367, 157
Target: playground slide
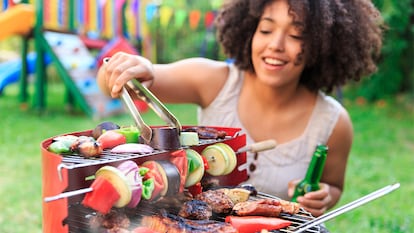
77, 67
18, 19
10, 70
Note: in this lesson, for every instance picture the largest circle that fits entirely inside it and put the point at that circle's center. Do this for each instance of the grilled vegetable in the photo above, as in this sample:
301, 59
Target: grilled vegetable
131, 171
179, 159
103, 196
237, 194
252, 224
111, 139
103, 127
132, 148
166, 178
221, 159
131, 133
120, 183
195, 167
62, 144
189, 138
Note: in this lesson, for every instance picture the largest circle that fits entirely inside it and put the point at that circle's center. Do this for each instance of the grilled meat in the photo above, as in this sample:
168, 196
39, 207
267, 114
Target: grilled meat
195, 209
220, 203
289, 207
177, 224
114, 221
207, 132
265, 207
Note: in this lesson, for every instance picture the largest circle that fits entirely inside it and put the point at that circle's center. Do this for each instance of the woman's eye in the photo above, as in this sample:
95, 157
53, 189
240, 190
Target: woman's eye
296, 37
265, 31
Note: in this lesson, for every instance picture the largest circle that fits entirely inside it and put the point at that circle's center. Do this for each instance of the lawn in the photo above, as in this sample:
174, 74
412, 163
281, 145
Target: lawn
382, 154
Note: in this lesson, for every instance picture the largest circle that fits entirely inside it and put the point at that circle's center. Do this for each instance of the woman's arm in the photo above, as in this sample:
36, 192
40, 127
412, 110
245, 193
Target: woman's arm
332, 181
193, 80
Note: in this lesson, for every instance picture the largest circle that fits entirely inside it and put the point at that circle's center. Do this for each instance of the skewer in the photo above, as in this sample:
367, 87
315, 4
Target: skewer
352, 205
260, 146
68, 194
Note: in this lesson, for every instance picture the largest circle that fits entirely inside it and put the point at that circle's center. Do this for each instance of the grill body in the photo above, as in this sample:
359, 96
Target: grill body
67, 173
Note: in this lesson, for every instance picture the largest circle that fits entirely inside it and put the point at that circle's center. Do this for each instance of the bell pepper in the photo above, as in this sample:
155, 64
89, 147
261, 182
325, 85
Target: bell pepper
206, 167
147, 188
131, 133
195, 189
102, 197
154, 173
252, 224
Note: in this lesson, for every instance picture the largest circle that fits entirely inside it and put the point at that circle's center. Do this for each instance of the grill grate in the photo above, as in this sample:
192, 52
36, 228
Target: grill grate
71, 161
79, 219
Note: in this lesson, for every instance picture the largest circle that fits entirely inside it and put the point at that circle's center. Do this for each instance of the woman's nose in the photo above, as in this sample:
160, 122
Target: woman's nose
277, 43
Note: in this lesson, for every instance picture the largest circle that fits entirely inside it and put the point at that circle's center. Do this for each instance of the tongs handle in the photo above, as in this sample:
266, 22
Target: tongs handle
352, 205
144, 94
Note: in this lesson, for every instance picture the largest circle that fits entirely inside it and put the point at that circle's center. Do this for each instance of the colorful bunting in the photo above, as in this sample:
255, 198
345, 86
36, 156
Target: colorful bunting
180, 16
150, 12
166, 13
194, 16
209, 19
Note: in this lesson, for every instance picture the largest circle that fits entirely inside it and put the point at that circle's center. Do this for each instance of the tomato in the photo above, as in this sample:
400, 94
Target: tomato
179, 159
110, 139
252, 224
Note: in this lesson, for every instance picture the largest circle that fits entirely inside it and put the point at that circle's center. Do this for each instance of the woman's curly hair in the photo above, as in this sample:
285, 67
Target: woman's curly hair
342, 38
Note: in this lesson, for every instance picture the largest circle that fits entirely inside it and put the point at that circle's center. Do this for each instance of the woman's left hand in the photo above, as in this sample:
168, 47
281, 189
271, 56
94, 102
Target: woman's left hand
316, 202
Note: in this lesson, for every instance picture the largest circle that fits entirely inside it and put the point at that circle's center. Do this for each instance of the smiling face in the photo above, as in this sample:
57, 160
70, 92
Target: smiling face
276, 46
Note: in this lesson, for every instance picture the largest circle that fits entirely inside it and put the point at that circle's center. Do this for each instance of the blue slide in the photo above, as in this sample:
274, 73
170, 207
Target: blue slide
10, 70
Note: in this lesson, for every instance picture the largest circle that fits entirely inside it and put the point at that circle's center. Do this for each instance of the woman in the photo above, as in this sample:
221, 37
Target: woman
286, 53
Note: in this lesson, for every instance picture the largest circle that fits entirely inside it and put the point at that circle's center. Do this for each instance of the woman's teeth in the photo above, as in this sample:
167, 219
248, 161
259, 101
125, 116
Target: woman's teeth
273, 61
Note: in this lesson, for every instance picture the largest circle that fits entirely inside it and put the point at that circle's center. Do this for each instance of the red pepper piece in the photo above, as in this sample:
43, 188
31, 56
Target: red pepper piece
206, 167
155, 174
102, 197
252, 224
195, 189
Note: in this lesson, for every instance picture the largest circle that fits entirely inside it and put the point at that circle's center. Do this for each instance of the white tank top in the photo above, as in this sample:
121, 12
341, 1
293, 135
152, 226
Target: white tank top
271, 170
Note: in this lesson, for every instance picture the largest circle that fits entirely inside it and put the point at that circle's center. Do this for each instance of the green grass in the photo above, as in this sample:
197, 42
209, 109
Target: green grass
382, 154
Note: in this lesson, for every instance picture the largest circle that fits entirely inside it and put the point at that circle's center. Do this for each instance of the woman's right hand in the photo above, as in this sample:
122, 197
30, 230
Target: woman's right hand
122, 67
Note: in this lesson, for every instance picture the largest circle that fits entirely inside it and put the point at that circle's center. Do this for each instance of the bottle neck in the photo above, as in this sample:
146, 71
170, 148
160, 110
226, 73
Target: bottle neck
315, 170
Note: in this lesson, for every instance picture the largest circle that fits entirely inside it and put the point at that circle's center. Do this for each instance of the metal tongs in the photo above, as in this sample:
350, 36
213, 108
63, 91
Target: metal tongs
145, 95
350, 206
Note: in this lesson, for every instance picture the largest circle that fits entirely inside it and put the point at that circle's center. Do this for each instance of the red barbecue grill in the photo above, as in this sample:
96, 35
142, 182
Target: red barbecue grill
65, 173
68, 172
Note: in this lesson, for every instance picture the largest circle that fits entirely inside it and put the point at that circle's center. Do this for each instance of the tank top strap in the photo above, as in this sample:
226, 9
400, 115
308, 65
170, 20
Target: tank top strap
323, 120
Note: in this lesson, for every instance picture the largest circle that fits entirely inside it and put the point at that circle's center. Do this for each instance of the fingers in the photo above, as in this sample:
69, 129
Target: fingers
291, 187
121, 68
316, 202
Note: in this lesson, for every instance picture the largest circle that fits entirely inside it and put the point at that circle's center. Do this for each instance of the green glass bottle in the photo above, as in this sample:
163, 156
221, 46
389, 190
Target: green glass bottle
313, 175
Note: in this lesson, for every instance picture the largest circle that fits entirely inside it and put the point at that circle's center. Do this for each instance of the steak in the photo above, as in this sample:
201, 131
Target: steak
176, 224
220, 203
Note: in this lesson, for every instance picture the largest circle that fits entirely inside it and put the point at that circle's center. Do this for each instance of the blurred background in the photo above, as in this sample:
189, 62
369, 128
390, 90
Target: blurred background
50, 51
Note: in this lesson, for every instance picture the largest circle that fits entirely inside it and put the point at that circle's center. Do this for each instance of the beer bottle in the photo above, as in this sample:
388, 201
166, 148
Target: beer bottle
313, 175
